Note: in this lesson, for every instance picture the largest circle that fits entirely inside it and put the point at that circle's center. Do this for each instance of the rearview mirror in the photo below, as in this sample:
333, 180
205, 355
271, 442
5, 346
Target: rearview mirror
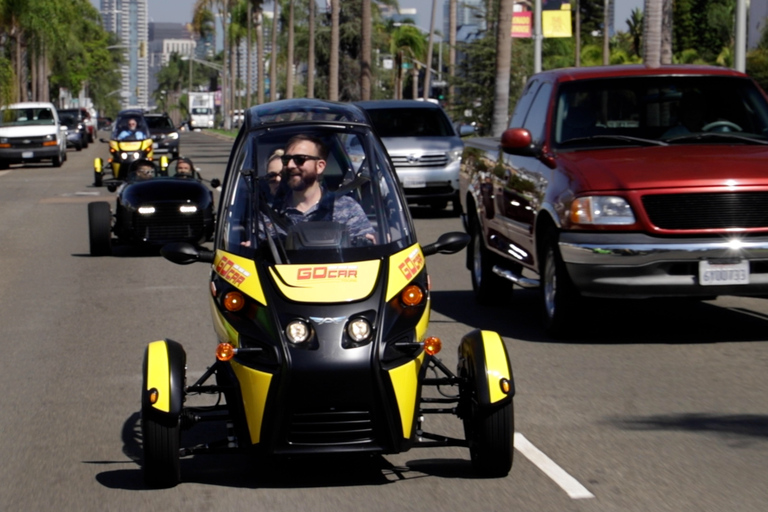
184, 254
448, 243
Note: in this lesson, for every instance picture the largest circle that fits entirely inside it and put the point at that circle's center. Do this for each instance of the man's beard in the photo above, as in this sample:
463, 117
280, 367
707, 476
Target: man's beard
300, 180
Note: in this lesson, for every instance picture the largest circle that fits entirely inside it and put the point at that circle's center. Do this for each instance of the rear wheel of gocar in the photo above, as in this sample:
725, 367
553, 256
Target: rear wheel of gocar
489, 288
559, 297
100, 228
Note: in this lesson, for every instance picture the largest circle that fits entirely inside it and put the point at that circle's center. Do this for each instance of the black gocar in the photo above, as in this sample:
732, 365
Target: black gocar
160, 209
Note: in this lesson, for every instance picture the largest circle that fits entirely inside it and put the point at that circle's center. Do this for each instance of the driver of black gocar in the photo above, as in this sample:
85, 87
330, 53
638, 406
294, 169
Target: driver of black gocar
305, 199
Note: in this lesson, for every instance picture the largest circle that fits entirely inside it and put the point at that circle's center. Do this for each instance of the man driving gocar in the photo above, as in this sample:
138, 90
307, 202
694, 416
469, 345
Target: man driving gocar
303, 164
184, 167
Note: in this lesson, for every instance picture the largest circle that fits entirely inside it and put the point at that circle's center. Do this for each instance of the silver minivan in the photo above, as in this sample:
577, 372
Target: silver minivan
424, 147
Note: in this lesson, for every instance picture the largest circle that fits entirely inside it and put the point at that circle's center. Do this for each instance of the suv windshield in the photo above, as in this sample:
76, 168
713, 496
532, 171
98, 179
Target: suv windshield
669, 109
410, 122
130, 128
360, 216
26, 116
159, 122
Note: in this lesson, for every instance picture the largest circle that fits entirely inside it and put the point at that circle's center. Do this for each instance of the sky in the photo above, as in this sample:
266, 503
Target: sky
180, 11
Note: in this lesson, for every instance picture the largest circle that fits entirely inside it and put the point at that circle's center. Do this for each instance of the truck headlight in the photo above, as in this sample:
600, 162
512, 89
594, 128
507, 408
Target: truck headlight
601, 210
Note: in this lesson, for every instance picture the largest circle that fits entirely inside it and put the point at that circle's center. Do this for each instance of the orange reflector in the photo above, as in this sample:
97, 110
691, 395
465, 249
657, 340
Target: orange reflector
505, 386
233, 301
153, 396
225, 352
432, 345
412, 295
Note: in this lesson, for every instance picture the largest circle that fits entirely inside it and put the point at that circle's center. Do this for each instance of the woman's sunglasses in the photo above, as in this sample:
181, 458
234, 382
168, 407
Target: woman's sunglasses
299, 159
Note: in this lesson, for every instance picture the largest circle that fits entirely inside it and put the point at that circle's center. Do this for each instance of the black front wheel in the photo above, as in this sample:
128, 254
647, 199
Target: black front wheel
490, 433
100, 228
162, 467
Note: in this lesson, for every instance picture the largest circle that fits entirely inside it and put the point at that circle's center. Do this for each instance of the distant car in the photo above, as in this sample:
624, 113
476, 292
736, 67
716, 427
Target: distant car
424, 147
82, 117
75, 136
153, 212
31, 132
165, 135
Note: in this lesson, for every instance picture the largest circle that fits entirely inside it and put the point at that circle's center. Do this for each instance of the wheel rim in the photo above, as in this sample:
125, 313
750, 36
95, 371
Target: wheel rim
550, 284
477, 262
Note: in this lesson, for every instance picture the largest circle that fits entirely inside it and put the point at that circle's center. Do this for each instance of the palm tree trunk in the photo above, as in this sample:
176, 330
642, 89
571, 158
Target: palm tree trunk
365, 53
289, 66
503, 64
452, 27
311, 52
260, 56
333, 72
225, 105
606, 34
428, 71
666, 32
273, 59
248, 52
652, 33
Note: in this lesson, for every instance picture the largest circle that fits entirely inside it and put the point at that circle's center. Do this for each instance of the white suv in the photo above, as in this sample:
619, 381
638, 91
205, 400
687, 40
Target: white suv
31, 132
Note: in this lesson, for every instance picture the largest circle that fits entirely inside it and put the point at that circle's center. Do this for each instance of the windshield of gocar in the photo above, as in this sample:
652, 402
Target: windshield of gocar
130, 128
659, 109
360, 214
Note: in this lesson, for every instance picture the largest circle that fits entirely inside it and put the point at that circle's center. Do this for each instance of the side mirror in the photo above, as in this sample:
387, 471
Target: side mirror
448, 243
183, 254
466, 130
215, 183
111, 187
102, 139
518, 141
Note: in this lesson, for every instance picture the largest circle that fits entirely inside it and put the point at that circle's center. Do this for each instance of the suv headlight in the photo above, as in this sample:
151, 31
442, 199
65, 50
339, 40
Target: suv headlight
454, 155
601, 210
173, 135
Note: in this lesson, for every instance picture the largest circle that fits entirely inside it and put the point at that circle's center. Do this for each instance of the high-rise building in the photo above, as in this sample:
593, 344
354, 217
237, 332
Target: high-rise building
128, 20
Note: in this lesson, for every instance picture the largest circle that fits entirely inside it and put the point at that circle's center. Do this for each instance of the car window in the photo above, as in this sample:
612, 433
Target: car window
660, 108
536, 119
411, 122
159, 122
524, 103
27, 116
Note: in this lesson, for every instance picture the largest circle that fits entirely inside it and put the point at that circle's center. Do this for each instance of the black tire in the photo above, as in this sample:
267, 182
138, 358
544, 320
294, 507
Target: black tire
559, 297
57, 161
100, 228
488, 287
162, 466
97, 178
79, 147
490, 432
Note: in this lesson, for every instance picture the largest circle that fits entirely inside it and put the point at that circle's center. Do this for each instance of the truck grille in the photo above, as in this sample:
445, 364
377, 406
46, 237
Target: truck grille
708, 211
331, 428
434, 160
26, 142
167, 223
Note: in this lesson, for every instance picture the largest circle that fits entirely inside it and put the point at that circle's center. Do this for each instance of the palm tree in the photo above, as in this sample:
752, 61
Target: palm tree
652, 33
289, 65
273, 58
452, 27
503, 68
407, 43
333, 78
428, 71
365, 51
311, 52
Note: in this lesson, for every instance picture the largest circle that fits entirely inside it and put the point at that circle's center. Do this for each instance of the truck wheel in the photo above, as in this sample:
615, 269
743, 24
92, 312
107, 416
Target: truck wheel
559, 297
489, 288
56, 161
100, 228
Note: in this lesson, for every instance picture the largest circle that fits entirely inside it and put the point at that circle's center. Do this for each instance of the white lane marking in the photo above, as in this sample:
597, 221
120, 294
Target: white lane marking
558, 475
3, 173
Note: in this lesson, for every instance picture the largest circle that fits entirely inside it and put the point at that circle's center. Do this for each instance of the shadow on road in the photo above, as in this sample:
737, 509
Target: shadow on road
730, 426
671, 321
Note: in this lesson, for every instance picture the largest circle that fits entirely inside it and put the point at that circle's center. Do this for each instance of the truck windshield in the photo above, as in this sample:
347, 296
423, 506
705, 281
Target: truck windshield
671, 109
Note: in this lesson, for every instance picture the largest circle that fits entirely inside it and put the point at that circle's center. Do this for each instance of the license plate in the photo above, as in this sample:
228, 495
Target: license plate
28, 154
413, 183
719, 274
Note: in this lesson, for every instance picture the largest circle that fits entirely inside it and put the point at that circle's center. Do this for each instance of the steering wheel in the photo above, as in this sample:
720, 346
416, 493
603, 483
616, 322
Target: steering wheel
721, 126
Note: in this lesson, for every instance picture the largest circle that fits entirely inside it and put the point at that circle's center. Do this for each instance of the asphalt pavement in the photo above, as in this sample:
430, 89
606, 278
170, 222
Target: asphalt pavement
650, 406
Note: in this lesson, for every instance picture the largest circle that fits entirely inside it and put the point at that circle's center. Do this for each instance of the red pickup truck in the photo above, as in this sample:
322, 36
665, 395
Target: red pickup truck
622, 182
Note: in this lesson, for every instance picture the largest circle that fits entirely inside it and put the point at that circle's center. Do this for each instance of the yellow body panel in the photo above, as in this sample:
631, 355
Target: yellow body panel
158, 375
405, 382
241, 273
403, 267
496, 364
254, 386
337, 282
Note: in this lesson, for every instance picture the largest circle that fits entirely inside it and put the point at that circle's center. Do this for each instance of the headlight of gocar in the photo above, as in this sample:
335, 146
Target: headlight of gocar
298, 331
359, 330
601, 211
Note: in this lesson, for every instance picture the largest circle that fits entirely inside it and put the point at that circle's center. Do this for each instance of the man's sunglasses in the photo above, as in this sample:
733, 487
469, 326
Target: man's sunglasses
299, 159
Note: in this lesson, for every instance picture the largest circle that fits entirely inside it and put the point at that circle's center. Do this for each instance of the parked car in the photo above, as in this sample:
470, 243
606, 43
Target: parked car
82, 117
31, 132
165, 136
622, 182
424, 147
75, 136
